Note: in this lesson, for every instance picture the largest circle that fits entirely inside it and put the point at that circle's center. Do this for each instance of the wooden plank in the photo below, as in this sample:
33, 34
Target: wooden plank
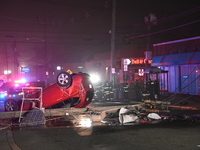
156, 102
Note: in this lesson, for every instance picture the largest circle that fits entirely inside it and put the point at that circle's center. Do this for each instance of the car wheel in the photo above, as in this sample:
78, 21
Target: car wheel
64, 80
11, 105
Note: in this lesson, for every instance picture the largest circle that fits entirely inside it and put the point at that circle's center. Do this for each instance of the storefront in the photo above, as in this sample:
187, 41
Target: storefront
183, 67
184, 72
133, 69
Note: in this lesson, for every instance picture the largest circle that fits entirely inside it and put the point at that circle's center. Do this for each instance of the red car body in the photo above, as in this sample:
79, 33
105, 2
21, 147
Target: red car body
80, 92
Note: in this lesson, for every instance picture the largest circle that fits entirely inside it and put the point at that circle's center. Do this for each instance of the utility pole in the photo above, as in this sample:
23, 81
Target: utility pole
15, 58
150, 20
7, 78
113, 40
16, 64
44, 22
45, 52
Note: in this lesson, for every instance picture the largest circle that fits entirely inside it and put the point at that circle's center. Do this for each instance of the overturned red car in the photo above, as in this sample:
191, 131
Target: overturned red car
76, 90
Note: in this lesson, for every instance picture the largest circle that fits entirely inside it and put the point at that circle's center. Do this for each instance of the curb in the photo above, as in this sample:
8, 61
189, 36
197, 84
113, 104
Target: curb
10, 140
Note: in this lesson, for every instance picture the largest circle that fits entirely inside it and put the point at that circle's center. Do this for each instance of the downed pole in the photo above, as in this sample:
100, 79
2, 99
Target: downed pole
59, 111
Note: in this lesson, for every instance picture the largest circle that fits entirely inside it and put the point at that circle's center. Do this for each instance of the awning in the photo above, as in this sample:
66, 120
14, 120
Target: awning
157, 60
196, 58
177, 59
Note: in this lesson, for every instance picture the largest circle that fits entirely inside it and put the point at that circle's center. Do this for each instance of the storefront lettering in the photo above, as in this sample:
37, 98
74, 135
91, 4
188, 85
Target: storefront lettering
140, 61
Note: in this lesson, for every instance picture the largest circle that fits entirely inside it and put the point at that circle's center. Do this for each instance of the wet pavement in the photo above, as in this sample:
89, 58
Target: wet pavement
176, 134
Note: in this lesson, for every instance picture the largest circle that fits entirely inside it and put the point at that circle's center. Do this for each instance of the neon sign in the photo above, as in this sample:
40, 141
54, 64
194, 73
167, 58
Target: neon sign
138, 61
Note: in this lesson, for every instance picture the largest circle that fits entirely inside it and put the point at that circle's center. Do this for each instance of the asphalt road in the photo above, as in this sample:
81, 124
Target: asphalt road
167, 135
163, 136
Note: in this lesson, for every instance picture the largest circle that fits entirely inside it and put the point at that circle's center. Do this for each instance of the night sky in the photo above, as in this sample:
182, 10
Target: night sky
66, 30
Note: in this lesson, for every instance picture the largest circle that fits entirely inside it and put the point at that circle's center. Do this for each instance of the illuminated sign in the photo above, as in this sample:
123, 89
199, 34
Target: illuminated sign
127, 61
135, 61
80, 67
113, 71
25, 69
125, 67
138, 61
141, 72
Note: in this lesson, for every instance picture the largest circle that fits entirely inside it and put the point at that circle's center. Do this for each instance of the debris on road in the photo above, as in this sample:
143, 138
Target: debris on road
110, 115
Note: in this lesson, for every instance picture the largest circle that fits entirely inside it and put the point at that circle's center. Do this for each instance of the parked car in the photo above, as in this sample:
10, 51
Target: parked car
11, 95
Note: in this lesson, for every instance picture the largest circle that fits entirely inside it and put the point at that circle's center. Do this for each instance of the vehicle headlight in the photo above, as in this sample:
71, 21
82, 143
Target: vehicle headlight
94, 78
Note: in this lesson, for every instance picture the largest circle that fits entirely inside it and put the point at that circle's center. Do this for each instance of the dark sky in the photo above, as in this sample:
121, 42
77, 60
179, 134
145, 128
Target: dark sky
74, 28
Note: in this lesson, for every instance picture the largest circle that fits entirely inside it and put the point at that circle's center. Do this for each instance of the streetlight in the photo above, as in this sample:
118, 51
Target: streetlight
6, 72
58, 68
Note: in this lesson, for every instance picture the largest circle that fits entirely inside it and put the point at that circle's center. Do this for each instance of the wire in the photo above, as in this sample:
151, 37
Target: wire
17, 19
180, 14
172, 96
173, 17
162, 30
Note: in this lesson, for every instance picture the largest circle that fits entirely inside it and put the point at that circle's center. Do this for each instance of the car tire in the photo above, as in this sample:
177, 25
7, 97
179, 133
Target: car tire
11, 105
64, 80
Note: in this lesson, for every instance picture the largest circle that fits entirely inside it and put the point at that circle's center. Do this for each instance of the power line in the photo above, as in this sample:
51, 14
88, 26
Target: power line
17, 19
162, 30
173, 16
180, 14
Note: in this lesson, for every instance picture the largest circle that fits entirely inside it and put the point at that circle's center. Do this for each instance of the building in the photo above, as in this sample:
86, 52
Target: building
123, 72
181, 58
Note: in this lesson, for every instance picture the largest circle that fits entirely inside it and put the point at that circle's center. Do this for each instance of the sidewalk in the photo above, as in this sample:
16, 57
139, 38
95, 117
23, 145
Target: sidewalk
4, 140
185, 100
